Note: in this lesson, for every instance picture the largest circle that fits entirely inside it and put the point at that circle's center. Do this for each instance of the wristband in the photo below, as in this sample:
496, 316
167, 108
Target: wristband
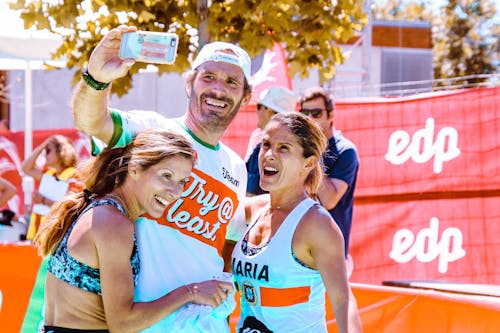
93, 83
190, 292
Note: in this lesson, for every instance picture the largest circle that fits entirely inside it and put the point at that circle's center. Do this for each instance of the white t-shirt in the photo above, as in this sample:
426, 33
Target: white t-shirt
184, 246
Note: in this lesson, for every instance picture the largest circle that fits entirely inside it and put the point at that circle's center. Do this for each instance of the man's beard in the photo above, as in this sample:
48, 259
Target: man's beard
218, 123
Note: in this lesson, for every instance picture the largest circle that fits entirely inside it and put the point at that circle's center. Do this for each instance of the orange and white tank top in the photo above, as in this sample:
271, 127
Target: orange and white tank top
278, 293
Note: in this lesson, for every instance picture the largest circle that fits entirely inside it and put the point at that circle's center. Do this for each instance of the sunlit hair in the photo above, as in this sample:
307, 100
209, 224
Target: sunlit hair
65, 151
311, 139
191, 75
102, 174
315, 92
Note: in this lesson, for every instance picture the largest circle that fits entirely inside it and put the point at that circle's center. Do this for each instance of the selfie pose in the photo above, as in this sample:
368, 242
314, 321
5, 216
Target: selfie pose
193, 240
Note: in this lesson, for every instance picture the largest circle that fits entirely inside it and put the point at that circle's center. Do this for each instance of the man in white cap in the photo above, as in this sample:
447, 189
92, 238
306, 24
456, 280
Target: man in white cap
189, 243
274, 100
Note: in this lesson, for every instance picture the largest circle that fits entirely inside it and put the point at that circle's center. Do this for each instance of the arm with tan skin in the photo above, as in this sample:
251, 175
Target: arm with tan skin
227, 251
228, 247
112, 234
90, 106
29, 166
7, 191
321, 245
331, 191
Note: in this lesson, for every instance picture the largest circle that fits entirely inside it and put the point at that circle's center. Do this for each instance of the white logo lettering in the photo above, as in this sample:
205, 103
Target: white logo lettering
197, 191
427, 246
421, 147
209, 202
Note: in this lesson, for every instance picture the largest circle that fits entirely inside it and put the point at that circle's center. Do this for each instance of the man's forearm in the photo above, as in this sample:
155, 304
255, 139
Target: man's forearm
331, 191
90, 111
227, 251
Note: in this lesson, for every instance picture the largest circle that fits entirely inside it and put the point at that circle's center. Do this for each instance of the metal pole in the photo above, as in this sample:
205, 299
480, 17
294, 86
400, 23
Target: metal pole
367, 46
28, 183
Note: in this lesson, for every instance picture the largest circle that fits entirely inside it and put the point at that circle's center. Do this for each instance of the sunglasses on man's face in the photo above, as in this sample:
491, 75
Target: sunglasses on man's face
316, 113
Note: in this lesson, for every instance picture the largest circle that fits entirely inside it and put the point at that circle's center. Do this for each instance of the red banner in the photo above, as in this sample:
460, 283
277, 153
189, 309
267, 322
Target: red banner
426, 202
452, 239
429, 178
432, 143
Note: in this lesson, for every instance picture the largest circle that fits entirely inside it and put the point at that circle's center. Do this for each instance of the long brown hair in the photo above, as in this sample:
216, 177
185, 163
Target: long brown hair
102, 174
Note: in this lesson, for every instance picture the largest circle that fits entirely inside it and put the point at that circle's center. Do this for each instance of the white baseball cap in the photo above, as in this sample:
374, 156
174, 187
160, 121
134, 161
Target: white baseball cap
279, 99
218, 51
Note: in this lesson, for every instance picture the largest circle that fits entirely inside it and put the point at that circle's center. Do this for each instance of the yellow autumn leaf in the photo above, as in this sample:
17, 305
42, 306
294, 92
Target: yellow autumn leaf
145, 16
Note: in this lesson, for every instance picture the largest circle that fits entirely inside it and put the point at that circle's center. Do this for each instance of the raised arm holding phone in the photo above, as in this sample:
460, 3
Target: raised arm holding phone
193, 240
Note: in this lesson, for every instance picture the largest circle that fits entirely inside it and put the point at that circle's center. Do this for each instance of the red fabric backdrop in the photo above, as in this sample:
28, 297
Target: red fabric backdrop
432, 157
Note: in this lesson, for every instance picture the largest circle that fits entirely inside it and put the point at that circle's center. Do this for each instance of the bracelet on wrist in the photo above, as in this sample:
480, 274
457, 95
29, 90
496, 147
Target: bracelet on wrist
190, 292
93, 83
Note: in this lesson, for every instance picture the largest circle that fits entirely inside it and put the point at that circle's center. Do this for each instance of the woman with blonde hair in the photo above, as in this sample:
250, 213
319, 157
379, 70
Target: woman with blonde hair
59, 169
90, 237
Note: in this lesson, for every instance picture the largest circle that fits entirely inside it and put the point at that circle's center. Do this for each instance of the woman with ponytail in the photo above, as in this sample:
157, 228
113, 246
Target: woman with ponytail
90, 238
292, 244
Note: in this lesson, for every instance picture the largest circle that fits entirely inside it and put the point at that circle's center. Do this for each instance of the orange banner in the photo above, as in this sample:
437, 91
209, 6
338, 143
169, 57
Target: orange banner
382, 309
18, 269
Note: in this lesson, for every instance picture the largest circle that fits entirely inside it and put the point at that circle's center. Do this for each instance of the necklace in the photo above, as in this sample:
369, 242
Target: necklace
292, 204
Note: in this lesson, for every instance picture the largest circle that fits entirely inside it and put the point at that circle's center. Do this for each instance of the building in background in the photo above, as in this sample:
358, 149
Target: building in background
390, 58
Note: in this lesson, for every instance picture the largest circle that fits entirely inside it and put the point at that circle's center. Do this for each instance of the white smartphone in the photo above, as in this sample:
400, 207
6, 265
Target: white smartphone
148, 46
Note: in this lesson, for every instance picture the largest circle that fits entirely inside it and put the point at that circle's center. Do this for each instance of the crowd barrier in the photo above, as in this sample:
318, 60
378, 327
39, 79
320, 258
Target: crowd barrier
382, 309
